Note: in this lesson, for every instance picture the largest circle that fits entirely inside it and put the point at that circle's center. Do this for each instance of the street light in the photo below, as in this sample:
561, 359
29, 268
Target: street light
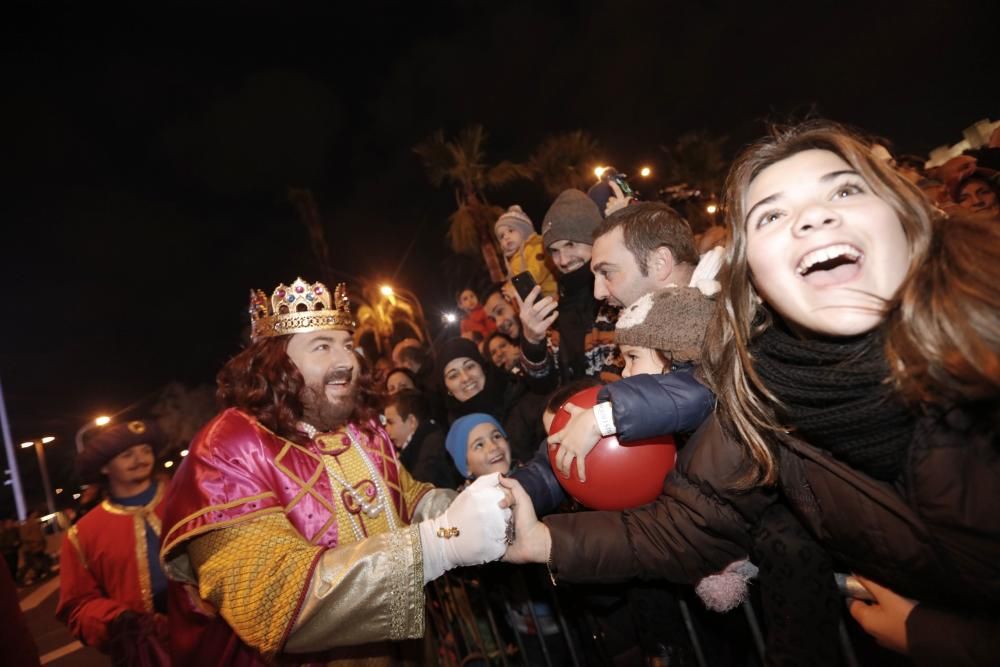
103, 420
40, 451
449, 318
645, 172
386, 290
711, 209
599, 171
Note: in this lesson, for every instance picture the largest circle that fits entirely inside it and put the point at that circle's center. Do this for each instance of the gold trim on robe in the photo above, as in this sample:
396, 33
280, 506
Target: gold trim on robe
141, 515
256, 590
355, 594
73, 535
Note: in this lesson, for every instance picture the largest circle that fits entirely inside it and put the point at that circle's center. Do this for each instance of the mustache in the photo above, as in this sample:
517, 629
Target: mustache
342, 374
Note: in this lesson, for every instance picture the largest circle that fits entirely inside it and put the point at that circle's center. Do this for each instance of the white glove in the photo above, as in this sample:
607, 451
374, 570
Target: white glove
473, 530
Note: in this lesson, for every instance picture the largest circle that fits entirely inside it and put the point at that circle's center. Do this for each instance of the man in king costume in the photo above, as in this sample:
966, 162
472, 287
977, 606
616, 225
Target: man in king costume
113, 593
292, 532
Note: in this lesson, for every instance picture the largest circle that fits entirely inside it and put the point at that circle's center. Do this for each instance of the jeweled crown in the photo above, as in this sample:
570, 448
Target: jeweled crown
299, 308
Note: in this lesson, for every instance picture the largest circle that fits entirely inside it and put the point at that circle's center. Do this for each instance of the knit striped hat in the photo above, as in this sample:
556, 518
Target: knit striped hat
673, 320
516, 218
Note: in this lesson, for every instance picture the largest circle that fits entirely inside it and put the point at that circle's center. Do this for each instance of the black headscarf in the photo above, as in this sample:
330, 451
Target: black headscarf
491, 400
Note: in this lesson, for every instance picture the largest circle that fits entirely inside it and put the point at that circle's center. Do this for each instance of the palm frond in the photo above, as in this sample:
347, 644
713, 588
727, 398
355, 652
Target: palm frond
437, 157
564, 161
508, 171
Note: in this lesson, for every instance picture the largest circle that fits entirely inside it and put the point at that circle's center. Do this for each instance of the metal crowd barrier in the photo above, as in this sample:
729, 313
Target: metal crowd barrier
489, 615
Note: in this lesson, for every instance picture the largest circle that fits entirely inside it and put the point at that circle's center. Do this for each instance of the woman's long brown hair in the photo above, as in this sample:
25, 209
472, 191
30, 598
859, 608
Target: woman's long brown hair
745, 404
943, 329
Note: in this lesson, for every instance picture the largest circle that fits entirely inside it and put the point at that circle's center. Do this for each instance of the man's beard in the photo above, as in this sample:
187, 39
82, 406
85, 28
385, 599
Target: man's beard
321, 412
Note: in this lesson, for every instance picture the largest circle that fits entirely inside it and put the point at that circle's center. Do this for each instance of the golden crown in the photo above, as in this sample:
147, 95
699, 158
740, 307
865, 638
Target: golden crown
299, 308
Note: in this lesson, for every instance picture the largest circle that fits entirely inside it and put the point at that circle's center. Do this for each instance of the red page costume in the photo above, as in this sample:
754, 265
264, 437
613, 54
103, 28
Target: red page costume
104, 567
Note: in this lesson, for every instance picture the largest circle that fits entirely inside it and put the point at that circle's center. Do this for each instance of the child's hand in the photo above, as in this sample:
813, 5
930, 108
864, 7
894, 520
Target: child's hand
537, 315
575, 440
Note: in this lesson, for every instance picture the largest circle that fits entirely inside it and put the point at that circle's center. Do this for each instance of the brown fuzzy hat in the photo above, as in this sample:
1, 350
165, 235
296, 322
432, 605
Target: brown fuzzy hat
673, 320
112, 441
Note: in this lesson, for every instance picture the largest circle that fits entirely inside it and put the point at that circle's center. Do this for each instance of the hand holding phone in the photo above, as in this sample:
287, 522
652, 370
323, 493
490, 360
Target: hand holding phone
538, 314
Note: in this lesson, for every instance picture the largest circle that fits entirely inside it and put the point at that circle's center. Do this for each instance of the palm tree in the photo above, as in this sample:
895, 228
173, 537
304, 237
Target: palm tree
461, 162
698, 159
564, 161
388, 317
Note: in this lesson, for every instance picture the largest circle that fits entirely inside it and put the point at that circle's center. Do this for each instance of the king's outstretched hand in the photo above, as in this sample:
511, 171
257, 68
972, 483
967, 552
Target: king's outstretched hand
474, 529
532, 542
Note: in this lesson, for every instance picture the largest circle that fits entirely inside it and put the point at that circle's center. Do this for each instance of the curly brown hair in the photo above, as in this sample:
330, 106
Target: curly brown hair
264, 382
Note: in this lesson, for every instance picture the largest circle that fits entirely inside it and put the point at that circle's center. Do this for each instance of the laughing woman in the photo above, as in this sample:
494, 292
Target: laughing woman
856, 361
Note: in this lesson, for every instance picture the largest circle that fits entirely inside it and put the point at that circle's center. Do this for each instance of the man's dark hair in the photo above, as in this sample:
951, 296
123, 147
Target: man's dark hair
489, 291
648, 226
410, 402
489, 339
567, 391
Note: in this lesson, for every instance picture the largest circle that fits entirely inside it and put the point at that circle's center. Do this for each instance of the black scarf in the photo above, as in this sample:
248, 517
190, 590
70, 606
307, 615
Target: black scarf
835, 396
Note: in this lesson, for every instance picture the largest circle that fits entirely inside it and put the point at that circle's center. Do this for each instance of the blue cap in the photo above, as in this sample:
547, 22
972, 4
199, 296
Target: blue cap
457, 441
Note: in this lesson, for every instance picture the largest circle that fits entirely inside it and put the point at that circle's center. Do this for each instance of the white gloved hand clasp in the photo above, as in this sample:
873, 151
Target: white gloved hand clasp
473, 530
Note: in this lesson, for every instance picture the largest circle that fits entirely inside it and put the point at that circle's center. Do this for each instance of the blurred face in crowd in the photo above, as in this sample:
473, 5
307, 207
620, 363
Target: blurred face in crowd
133, 466
503, 354
399, 429
504, 315
488, 451
330, 368
464, 378
568, 256
468, 301
977, 195
617, 277
397, 360
640, 360
510, 239
396, 382
935, 191
825, 252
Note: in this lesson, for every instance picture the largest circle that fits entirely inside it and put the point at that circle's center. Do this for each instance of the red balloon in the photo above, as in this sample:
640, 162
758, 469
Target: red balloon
619, 475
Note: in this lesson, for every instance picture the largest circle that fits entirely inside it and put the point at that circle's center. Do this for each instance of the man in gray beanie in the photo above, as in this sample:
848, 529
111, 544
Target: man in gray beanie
585, 335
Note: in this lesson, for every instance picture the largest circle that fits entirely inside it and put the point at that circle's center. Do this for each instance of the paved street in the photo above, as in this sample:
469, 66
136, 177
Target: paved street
56, 646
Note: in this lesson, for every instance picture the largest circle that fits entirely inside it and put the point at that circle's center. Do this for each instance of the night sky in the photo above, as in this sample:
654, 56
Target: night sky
146, 159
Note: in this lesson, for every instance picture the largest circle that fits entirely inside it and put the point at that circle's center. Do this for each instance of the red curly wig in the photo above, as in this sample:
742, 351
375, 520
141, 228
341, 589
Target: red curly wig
264, 382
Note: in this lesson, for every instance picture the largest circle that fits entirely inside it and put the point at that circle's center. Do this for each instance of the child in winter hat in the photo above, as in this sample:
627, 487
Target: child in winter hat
662, 332
664, 328
478, 445
522, 247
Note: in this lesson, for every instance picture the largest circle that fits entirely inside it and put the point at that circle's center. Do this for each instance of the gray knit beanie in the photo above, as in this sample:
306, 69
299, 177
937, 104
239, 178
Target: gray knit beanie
673, 320
573, 216
516, 218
